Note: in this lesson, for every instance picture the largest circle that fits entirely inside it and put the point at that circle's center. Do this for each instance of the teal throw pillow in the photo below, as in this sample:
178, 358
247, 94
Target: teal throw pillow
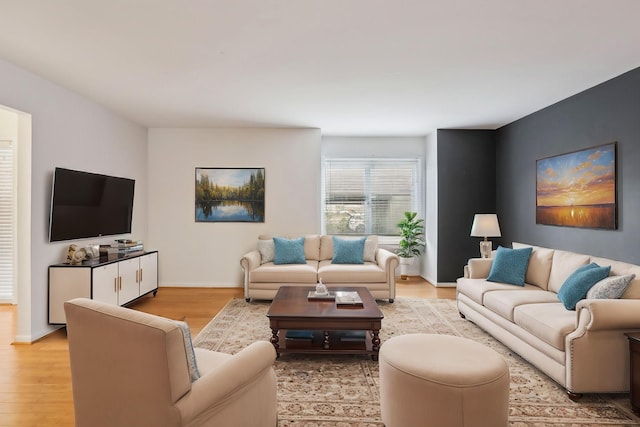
510, 266
289, 251
348, 251
579, 282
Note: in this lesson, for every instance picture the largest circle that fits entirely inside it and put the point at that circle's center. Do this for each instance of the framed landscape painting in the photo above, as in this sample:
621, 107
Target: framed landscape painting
578, 189
229, 195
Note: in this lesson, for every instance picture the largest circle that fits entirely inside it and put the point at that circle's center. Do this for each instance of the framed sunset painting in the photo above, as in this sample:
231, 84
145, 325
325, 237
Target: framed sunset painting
578, 189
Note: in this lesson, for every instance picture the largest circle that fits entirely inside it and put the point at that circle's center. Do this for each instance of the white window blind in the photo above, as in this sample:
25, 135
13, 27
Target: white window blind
368, 196
6, 220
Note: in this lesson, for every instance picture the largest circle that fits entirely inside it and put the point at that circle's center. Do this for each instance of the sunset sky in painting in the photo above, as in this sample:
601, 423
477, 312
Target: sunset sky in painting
583, 178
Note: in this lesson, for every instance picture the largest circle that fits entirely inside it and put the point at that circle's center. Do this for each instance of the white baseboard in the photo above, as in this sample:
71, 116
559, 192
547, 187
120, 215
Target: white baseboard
445, 285
199, 285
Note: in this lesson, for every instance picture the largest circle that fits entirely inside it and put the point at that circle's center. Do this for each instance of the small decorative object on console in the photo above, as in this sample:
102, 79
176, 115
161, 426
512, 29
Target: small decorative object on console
75, 255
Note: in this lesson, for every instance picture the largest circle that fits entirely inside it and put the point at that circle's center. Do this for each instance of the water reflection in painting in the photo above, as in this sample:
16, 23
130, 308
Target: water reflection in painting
578, 189
229, 195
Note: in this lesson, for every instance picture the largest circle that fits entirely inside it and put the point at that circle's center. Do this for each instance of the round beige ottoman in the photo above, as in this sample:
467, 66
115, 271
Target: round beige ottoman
442, 381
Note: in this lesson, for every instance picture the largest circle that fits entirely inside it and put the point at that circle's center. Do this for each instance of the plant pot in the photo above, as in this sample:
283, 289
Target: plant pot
405, 263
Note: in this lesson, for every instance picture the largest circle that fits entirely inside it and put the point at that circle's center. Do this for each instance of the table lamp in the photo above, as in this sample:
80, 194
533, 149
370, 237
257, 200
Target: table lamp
485, 225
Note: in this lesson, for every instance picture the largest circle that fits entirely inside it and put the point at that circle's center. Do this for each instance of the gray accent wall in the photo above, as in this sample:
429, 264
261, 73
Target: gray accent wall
466, 186
605, 113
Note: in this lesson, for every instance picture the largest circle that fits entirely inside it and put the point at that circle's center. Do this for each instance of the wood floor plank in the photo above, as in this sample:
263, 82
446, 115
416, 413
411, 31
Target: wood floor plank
35, 379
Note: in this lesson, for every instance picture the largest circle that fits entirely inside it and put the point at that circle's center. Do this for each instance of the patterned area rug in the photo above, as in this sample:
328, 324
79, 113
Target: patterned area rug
342, 391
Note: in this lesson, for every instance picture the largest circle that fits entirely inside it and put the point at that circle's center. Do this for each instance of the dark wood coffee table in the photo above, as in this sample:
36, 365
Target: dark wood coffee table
321, 326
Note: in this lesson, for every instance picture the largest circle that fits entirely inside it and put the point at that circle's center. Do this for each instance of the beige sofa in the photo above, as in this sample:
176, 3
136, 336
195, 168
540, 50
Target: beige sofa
585, 350
130, 368
263, 278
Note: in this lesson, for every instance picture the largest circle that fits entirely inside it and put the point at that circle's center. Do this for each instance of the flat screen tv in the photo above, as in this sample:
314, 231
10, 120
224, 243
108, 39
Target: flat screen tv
85, 205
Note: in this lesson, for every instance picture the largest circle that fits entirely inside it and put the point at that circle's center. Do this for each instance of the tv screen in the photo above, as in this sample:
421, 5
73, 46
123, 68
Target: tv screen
85, 205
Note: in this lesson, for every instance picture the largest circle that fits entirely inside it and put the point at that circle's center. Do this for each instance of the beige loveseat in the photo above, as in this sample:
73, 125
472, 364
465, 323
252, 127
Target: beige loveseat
130, 368
263, 278
584, 350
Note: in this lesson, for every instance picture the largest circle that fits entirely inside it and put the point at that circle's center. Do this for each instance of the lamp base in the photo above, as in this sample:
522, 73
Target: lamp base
486, 246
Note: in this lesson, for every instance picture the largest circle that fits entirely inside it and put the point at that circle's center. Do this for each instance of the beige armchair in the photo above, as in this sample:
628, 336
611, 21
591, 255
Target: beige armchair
130, 368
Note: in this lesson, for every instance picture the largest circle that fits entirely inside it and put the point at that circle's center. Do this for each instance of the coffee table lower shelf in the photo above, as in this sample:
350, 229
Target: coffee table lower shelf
326, 342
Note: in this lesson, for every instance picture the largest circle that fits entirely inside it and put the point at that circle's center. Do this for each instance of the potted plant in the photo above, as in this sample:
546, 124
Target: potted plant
412, 242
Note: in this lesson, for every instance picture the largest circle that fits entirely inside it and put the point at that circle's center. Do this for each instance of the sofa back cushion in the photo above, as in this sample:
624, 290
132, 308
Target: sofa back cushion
370, 247
619, 268
563, 265
311, 244
539, 265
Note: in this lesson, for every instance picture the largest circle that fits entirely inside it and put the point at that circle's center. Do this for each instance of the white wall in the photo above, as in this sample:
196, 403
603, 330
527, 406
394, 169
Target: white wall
430, 262
208, 254
67, 131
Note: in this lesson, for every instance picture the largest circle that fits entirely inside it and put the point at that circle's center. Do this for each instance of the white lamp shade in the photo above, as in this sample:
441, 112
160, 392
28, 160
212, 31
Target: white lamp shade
485, 225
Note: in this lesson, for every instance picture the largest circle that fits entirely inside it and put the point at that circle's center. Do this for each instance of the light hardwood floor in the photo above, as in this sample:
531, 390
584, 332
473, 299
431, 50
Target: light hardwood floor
35, 380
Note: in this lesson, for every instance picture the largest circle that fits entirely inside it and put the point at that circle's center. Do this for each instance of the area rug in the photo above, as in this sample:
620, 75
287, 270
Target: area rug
342, 391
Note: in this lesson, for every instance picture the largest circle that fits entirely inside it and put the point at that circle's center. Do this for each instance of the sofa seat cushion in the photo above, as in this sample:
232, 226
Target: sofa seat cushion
550, 322
209, 360
286, 273
505, 302
477, 288
368, 272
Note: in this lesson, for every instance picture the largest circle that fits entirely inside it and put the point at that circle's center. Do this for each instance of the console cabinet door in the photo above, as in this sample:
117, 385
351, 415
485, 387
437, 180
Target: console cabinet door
129, 289
106, 283
148, 273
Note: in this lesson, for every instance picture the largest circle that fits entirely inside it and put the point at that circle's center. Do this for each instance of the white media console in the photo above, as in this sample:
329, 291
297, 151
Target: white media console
115, 281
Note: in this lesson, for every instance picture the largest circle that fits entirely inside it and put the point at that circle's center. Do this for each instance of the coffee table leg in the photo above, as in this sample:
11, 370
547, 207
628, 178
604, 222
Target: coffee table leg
274, 340
375, 340
325, 342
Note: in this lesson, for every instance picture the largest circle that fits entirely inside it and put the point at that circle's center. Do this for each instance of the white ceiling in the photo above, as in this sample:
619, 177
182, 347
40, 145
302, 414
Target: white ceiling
348, 67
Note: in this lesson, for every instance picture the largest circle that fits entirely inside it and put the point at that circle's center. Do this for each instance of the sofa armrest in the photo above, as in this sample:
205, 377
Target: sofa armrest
250, 260
234, 376
609, 314
479, 268
388, 261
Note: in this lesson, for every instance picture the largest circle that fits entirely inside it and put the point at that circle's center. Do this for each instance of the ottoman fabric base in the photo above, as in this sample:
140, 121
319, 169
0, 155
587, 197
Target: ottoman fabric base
442, 380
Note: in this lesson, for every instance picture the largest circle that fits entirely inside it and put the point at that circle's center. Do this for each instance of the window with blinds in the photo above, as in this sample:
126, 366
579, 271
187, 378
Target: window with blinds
368, 196
6, 221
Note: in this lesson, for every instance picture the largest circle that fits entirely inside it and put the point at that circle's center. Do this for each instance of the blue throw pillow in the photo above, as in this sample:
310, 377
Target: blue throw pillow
579, 282
348, 251
289, 251
510, 266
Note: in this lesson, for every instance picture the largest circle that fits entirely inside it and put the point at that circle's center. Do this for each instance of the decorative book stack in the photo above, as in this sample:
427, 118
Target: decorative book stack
350, 299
